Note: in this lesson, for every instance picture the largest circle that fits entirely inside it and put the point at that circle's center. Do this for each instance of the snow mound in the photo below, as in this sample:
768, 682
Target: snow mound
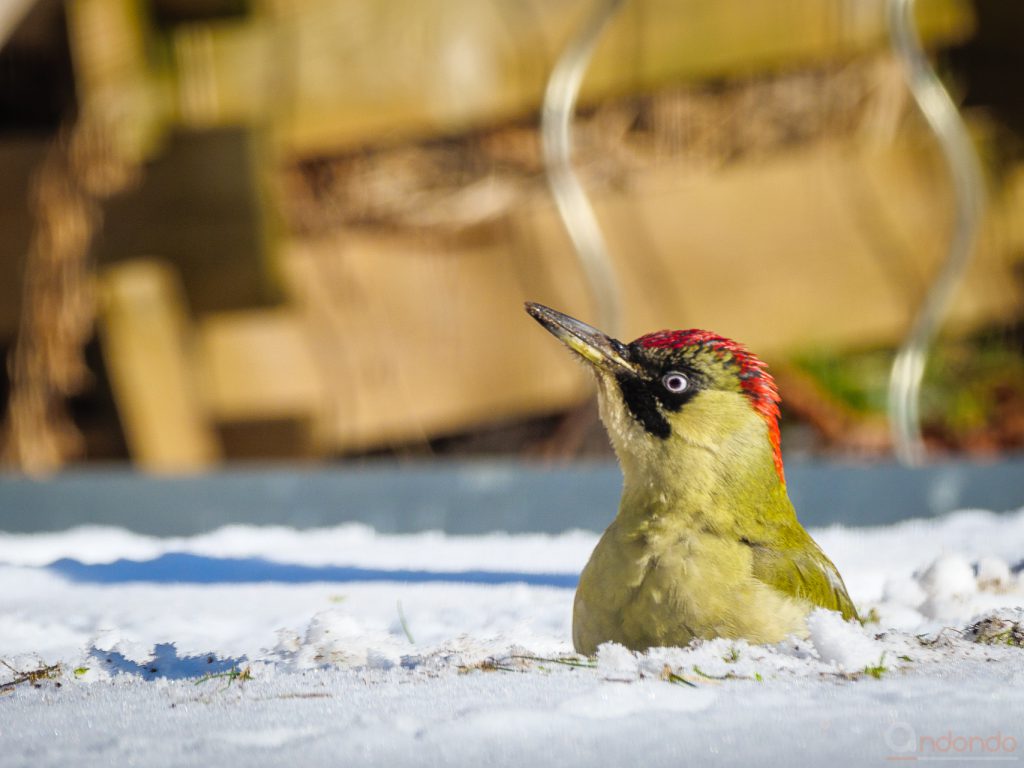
338, 638
616, 662
843, 643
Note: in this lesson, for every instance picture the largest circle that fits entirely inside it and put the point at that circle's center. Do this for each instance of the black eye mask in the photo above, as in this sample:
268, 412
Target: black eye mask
643, 396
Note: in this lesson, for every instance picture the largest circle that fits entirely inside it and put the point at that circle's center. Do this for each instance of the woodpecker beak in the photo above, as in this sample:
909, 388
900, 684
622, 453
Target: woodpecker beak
596, 348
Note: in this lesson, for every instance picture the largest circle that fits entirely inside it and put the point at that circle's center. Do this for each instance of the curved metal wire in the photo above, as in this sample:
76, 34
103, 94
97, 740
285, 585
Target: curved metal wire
556, 135
948, 126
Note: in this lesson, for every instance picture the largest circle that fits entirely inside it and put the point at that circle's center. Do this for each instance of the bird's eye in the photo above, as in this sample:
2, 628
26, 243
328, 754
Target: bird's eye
675, 382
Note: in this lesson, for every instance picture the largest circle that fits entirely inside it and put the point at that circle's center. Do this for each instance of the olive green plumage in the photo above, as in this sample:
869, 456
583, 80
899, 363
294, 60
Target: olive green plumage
706, 542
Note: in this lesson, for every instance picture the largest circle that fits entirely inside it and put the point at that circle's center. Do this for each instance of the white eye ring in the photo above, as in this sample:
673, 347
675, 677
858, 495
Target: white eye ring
675, 382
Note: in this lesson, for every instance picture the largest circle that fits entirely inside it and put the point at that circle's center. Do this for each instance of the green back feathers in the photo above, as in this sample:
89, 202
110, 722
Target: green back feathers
803, 572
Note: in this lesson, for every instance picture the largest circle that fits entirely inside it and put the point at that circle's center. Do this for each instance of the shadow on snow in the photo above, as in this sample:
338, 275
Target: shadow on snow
165, 662
185, 568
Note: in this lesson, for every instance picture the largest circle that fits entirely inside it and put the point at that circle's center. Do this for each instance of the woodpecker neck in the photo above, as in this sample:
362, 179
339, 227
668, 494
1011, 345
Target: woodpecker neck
718, 461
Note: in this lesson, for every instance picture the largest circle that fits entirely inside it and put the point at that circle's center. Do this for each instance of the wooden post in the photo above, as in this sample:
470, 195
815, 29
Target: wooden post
147, 345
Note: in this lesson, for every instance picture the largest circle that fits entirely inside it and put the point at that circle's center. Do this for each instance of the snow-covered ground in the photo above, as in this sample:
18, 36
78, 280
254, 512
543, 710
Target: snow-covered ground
342, 646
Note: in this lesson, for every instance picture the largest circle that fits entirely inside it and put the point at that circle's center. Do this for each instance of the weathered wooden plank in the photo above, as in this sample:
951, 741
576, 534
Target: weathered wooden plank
258, 365
418, 341
148, 349
327, 76
419, 337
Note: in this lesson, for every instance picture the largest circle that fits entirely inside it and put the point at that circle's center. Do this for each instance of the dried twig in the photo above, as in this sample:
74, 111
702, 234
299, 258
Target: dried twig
33, 676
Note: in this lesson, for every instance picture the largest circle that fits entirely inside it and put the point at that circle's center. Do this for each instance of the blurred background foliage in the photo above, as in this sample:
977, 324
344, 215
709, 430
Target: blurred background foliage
269, 230
972, 398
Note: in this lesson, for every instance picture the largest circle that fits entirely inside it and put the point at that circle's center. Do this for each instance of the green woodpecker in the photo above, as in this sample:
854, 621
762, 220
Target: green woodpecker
706, 542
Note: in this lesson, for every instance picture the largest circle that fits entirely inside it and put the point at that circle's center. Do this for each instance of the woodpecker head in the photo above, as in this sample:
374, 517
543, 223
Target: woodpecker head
671, 390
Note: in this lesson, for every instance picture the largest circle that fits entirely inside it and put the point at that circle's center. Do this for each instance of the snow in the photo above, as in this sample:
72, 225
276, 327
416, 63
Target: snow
344, 646
844, 644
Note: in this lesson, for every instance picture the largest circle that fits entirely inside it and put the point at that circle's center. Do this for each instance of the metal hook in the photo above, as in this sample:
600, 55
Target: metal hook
556, 134
946, 123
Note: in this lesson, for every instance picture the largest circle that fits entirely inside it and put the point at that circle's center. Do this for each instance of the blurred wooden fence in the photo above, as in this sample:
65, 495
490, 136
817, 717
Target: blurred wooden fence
339, 318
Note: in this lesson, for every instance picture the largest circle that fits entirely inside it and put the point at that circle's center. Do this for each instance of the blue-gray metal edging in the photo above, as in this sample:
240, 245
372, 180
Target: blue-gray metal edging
467, 498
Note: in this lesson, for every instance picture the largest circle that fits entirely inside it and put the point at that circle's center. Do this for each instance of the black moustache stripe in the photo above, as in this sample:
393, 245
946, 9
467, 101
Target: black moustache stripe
642, 403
